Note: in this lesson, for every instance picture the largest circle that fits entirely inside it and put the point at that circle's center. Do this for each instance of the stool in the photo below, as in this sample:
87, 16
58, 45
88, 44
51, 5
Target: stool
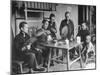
20, 63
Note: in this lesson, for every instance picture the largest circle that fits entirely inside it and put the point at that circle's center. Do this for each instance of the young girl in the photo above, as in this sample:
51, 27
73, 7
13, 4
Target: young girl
83, 32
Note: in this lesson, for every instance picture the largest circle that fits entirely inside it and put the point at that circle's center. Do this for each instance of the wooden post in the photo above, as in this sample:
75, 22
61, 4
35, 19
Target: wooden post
25, 11
87, 15
83, 14
90, 20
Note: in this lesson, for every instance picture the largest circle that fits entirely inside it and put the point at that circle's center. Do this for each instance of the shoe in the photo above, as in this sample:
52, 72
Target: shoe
44, 65
40, 69
30, 71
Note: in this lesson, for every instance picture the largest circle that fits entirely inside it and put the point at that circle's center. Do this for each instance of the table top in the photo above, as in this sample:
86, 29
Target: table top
61, 45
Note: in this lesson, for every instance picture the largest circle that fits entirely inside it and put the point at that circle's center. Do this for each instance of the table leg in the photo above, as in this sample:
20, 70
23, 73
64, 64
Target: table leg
57, 52
68, 66
81, 63
54, 54
49, 60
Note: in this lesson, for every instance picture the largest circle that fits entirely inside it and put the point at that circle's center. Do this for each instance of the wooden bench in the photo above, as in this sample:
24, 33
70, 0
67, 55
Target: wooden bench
20, 64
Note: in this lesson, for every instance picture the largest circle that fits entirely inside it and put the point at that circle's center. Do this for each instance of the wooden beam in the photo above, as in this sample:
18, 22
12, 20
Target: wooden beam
59, 61
74, 61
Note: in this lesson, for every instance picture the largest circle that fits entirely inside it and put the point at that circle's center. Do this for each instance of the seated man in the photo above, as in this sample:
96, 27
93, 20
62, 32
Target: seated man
42, 36
22, 48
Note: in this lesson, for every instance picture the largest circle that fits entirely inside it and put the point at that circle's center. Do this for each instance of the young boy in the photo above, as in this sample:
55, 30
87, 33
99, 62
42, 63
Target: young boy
89, 48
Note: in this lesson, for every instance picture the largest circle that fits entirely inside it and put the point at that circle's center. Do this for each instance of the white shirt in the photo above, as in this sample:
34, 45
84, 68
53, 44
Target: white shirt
90, 48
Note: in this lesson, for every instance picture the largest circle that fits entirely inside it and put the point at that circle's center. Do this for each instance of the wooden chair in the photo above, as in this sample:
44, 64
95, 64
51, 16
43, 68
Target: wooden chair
90, 58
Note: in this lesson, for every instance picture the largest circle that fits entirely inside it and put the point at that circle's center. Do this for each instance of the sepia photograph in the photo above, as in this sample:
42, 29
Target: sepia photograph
52, 37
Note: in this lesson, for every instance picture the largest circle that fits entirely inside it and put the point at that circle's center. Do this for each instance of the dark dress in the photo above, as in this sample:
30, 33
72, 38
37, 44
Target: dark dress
70, 26
52, 26
83, 34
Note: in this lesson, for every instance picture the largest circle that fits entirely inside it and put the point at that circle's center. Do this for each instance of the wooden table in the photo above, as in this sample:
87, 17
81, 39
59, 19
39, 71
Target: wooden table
67, 49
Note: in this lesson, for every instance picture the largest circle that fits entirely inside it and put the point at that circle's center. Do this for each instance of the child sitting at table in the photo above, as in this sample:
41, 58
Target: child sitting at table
82, 33
88, 50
